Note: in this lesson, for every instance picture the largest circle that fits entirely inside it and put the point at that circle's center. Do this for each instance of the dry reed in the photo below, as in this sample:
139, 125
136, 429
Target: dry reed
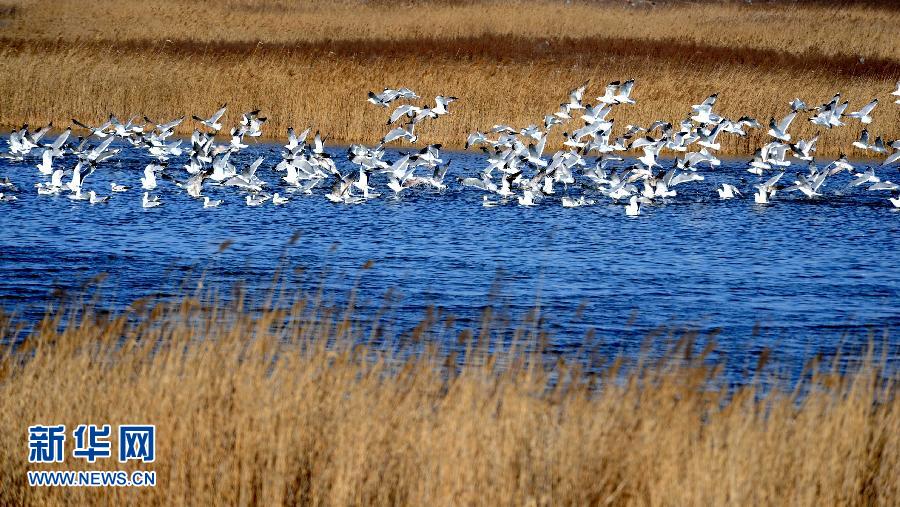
296, 406
311, 63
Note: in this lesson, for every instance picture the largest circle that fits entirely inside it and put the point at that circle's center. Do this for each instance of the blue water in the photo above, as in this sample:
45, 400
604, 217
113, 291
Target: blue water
800, 277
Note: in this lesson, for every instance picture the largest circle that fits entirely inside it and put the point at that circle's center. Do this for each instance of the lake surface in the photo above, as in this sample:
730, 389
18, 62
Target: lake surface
800, 277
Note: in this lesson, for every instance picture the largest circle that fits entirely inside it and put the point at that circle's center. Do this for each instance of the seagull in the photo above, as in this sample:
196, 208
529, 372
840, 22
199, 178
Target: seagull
148, 182
56, 149
779, 130
400, 133
863, 142
884, 185
609, 94
864, 178
99, 132
829, 115
575, 97
388, 95
485, 201
277, 200
803, 149
256, 200
209, 203
251, 124
798, 105
633, 208
441, 103
707, 103
893, 157
212, 121
118, 188
623, 94
571, 202
46, 165
165, 129
809, 186
407, 110
728, 191
95, 199
54, 186
863, 115
550, 120
75, 183
150, 202
527, 198
766, 191
895, 201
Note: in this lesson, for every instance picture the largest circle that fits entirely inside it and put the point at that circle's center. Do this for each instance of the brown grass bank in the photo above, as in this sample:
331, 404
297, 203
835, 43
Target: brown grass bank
252, 410
311, 63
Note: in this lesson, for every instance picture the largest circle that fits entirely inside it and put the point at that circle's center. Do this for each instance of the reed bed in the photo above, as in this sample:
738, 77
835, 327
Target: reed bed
312, 63
840, 28
328, 91
304, 405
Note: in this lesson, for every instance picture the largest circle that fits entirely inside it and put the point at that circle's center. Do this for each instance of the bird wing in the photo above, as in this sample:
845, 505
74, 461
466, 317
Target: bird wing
786, 121
218, 114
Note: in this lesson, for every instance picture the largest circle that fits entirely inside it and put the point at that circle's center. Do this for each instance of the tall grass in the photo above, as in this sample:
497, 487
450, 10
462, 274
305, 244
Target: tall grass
311, 63
328, 91
299, 406
840, 28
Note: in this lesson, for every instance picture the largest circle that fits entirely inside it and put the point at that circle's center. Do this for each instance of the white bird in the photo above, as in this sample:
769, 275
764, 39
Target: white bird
407, 110
95, 199
634, 207
209, 203
256, 200
251, 124
575, 97
779, 130
99, 132
46, 165
400, 133
863, 115
212, 121
278, 200
893, 157
75, 183
56, 149
441, 103
148, 182
388, 95
487, 202
884, 185
865, 178
54, 186
571, 202
728, 191
623, 94
803, 149
115, 187
798, 105
766, 191
527, 198
863, 142
150, 202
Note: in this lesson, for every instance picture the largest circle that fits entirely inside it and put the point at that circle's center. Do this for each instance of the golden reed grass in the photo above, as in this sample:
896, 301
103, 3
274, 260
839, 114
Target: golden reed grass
312, 63
298, 406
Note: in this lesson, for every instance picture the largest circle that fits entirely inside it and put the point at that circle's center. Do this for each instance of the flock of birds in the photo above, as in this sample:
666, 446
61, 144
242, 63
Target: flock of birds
589, 166
528, 175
